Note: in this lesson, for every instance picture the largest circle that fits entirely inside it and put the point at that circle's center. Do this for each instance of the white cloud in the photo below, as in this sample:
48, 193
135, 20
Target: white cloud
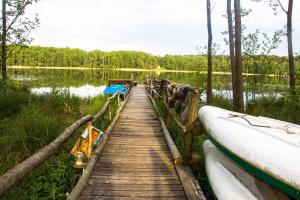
155, 26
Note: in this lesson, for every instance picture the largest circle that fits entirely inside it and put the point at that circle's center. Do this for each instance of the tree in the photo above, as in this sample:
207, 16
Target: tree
209, 52
15, 28
239, 103
231, 50
289, 12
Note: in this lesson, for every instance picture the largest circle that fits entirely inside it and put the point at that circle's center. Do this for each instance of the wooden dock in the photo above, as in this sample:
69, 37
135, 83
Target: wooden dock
136, 162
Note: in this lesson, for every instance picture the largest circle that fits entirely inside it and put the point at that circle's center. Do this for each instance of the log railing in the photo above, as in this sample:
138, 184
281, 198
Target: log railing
21, 170
187, 95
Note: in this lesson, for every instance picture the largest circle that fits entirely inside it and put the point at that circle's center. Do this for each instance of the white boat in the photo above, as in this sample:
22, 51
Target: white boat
230, 182
266, 148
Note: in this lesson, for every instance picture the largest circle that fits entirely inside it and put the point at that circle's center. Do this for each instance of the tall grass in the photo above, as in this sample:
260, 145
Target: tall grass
286, 108
27, 123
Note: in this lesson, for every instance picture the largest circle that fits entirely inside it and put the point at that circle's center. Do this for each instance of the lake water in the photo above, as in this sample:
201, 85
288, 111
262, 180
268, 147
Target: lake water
91, 82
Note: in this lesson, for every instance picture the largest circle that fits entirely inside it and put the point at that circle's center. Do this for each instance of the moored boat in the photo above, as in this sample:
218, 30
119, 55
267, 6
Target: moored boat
266, 148
228, 181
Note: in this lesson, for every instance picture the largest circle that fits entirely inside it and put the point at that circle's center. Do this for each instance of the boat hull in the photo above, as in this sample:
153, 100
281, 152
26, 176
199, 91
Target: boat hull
229, 181
259, 145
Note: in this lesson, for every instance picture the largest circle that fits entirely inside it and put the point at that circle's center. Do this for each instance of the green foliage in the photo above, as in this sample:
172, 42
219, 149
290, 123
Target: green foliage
220, 101
286, 108
255, 59
50, 181
33, 125
12, 97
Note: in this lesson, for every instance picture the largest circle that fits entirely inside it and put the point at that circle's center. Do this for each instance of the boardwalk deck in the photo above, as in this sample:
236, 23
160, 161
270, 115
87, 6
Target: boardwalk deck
136, 162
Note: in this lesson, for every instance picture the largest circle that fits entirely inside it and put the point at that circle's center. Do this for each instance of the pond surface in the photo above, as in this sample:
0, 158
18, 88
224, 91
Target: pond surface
91, 82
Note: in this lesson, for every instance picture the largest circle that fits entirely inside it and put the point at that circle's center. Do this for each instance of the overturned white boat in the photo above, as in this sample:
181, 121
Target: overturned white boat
266, 148
228, 181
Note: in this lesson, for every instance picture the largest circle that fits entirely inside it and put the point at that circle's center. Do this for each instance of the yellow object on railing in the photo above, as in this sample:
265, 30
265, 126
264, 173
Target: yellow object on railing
84, 145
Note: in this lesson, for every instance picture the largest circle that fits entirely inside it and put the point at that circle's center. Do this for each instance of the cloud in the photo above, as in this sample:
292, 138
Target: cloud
156, 26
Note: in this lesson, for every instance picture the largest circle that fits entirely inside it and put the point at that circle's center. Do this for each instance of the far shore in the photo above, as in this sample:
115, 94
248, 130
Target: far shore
135, 70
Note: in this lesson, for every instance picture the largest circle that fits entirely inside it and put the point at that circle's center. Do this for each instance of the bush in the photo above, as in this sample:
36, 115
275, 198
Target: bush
12, 97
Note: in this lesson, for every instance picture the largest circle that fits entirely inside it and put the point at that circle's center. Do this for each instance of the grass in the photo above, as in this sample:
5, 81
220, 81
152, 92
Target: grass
29, 122
285, 108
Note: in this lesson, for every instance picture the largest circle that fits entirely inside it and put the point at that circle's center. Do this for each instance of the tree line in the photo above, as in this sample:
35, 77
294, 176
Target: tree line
37, 56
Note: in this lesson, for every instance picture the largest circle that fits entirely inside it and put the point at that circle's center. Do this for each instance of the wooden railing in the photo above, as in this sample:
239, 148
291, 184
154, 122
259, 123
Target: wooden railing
187, 126
21, 170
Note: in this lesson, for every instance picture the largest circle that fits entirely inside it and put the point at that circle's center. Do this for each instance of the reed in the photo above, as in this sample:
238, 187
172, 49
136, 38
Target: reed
27, 123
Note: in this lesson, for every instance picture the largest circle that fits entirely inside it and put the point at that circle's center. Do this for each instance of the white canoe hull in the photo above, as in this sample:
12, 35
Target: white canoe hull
229, 182
271, 153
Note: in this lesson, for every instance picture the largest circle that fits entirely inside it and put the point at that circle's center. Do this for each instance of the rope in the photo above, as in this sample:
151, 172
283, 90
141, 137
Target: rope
285, 127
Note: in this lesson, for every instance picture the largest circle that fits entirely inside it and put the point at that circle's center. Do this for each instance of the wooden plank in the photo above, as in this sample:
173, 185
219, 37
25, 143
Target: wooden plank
141, 151
134, 187
135, 194
133, 155
108, 165
137, 174
87, 197
134, 178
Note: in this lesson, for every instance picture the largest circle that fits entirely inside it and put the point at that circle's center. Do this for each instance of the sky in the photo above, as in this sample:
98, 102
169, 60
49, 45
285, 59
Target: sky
158, 27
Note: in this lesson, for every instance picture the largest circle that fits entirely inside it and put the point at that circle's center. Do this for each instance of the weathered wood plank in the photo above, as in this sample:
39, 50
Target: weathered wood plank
155, 193
134, 187
87, 197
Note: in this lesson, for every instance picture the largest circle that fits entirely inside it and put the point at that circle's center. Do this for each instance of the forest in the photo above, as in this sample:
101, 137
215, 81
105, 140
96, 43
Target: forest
34, 56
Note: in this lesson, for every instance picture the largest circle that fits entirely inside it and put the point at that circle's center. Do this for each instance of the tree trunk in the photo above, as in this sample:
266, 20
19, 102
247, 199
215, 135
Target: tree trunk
231, 50
3, 41
209, 52
290, 48
239, 106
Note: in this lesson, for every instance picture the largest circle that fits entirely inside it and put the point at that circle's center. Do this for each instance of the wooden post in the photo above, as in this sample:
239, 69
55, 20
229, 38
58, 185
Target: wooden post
109, 112
154, 88
151, 92
90, 132
161, 87
193, 108
167, 114
118, 99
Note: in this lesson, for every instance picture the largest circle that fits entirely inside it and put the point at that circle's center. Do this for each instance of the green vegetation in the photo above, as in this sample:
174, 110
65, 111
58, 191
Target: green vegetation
67, 57
284, 108
27, 123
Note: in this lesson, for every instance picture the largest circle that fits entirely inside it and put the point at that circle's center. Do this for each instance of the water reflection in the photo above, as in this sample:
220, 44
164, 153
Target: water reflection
87, 82
84, 91
247, 96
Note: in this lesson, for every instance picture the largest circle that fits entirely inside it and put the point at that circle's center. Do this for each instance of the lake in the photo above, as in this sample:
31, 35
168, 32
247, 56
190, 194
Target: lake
91, 82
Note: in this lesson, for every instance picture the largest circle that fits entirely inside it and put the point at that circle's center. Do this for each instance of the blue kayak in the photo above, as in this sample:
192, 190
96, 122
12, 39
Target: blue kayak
113, 88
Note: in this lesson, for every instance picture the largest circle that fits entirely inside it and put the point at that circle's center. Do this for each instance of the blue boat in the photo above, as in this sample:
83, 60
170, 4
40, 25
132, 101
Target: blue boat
113, 88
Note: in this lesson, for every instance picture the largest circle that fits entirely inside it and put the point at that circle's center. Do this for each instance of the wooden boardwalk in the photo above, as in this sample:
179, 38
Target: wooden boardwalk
136, 162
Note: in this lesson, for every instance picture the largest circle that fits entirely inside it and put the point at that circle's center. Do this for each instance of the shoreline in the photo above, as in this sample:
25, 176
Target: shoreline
138, 70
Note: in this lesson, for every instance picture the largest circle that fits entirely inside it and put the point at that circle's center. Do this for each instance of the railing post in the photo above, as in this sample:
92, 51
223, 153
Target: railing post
166, 113
118, 99
90, 136
151, 84
109, 111
192, 115
161, 87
